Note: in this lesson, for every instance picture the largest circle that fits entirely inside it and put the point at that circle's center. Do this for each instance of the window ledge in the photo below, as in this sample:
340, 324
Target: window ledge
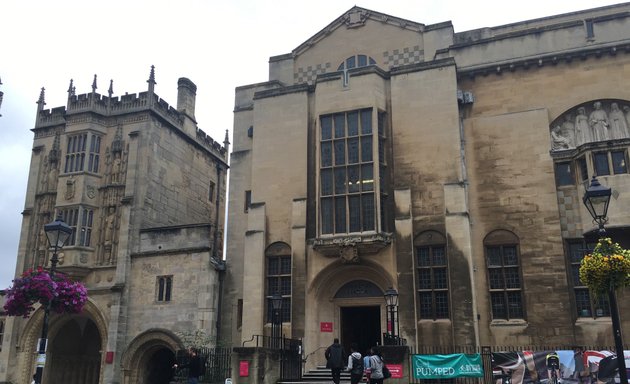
509, 323
602, 319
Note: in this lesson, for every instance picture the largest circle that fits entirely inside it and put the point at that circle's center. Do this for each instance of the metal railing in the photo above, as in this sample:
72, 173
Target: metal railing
216, 365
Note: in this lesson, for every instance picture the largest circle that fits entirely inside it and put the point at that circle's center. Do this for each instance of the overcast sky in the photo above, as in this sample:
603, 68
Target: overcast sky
219, 45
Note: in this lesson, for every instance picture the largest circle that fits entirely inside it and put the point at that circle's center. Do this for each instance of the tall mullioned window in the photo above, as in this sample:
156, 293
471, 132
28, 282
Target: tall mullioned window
504, 275
77, 150
584, 303
80, 219
432, 276
278, 271
347, 172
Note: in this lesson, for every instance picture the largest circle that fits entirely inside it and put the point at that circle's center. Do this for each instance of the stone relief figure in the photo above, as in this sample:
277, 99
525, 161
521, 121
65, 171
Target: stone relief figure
582, 128
598, 121
558, 140
568, 129
109, 228
618, 124
116, 168
109, 225
626, 109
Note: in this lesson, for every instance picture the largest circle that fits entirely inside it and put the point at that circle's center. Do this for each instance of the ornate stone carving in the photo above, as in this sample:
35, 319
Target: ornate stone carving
600, 120
344, 246
349, 254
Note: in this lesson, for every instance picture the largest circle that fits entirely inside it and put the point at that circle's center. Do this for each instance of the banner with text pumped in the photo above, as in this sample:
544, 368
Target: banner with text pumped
447, 366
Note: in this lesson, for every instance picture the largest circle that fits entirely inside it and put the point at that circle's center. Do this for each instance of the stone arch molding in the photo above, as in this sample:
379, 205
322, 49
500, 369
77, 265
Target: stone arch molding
146, 341
593, 121
332, 278
33, 328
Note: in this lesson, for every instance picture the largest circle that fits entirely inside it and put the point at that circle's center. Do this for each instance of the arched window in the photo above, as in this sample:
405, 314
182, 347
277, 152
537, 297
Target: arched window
432, 275
278, 272
357, 61
504, 275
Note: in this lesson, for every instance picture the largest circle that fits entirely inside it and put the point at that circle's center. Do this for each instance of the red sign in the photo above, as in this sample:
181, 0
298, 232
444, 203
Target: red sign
396, 370
109, 357
243, 368
325, 326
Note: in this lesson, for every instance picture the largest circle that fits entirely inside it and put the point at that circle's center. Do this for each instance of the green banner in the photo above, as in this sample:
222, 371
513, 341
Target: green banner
447, 366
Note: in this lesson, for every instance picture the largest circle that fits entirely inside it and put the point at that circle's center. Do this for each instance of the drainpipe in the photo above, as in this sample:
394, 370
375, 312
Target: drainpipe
465, 99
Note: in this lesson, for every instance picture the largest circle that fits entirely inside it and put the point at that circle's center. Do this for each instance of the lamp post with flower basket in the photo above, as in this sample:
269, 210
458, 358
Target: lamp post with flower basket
53, 291
607, 267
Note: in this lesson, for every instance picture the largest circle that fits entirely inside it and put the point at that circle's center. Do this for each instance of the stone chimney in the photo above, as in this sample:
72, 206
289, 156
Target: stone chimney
186, 93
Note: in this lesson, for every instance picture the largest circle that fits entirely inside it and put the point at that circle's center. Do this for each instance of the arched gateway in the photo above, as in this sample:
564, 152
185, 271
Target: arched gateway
150, 356
74, 347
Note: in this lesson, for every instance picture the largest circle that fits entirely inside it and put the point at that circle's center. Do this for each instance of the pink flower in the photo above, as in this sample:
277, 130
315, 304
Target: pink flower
64, 295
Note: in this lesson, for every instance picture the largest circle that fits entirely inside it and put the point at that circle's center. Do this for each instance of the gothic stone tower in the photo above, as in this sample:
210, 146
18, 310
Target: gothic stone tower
144, 190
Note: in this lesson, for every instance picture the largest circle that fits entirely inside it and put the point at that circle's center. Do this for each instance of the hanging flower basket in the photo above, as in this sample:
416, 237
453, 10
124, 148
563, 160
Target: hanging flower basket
64, 295
607, 267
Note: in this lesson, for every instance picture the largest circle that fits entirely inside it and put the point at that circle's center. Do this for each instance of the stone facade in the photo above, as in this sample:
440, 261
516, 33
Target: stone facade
144, 189
463, 192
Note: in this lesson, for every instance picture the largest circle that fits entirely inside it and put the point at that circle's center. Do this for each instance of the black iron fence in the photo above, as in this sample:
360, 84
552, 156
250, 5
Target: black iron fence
486, 359
216, 365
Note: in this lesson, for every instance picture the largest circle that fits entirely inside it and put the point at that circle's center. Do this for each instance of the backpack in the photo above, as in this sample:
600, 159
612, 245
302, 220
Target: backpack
357, 366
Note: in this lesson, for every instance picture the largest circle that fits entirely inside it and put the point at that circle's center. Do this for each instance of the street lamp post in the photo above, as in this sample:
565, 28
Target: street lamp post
596, 199
57, 234
391, 299
276, 305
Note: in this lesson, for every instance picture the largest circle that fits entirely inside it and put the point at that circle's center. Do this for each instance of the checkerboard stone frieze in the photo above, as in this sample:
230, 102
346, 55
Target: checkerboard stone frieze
309, 74
404, 56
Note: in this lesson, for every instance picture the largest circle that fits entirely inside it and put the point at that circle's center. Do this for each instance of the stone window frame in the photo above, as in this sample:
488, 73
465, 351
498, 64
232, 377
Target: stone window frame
438, 288
584, 304
76, 148
352, 208
164, 288
506, 245
278, 279
81, 219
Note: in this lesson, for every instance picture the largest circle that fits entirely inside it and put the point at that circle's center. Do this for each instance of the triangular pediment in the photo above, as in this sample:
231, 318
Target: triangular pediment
356, 17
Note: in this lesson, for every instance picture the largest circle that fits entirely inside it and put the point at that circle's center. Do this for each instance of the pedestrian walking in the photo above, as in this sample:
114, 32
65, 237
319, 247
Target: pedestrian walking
366, 365
376, 367
335, 360
193, 365
355, 364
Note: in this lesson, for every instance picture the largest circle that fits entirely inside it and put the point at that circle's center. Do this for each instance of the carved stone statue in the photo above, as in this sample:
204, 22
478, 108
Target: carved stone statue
598, 121
109, 225
568, 129
116, 168
618, 124
558, 140
582, 128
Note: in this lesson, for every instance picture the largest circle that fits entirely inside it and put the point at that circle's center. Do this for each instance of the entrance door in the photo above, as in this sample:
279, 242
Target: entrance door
361, 325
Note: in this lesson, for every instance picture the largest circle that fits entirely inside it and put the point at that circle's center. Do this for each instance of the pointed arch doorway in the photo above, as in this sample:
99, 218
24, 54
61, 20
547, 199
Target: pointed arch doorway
75, 353
360, 314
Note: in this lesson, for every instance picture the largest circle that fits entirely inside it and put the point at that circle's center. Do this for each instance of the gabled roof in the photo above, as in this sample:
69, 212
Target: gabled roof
356, 17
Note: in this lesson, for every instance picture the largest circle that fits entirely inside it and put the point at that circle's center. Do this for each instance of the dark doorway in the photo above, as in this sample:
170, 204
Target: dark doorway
361, 325
159, 367
75, 353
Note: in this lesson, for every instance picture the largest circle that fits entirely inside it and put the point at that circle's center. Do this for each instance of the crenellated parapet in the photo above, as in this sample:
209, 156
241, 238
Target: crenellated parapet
106, 107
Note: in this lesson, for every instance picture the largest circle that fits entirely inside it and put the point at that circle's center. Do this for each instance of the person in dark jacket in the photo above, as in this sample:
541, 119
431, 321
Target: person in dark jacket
193, 365
335, 357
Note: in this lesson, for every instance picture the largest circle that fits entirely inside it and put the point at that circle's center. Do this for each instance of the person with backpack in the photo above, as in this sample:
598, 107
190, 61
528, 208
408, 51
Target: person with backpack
366, 365
376, 367
335, 360
355, 364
